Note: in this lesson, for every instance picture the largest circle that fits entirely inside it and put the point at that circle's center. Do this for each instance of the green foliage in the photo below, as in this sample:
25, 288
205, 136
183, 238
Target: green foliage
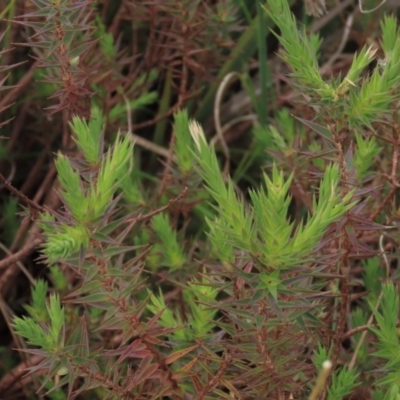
86, 207
300, 50
183, 142
321, 355
37, 310
222, 248
65, 241
264, 230
51, 338
343, 382
73, 193
199, 325
130, 185
375, 95
360, 61
168, 319
370, 101
89, 136
367, 149
199, 294
234, 215
86, 202
372, 278
365, 103
120, 109
172, 289
170, 247
110, 176
388, 344
58, 278
106, 40
359, 318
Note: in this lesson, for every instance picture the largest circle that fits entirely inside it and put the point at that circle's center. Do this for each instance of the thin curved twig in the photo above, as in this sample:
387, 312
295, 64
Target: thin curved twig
369, 11
217, 119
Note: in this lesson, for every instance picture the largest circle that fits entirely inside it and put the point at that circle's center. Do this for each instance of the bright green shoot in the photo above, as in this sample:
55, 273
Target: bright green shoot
51, 338
88, 199
264, 229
